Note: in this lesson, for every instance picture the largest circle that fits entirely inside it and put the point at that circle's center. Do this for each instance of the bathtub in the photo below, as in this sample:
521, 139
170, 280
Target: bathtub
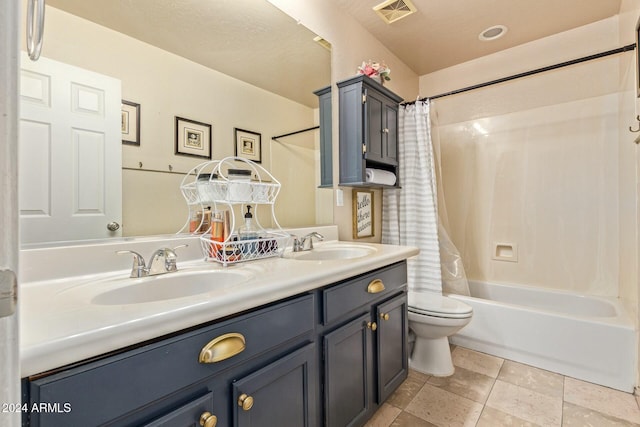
589, 338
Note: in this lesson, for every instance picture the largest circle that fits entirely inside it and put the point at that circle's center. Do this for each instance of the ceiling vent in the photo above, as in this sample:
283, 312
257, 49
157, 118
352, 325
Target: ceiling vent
392, 10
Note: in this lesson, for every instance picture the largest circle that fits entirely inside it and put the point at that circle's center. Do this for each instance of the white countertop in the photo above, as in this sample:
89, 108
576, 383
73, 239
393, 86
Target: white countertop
60, 325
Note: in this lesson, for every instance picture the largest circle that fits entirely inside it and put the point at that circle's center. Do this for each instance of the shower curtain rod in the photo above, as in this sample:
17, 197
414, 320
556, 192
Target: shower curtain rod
626, 48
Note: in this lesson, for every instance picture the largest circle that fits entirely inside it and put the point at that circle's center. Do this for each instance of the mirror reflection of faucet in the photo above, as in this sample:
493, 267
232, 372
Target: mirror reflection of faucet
305, 243
162, 261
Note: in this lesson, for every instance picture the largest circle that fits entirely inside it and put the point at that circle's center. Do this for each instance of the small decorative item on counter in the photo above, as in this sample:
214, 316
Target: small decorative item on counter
248, 232
375, 70
267, 246
206, 220
217, 232
239, 185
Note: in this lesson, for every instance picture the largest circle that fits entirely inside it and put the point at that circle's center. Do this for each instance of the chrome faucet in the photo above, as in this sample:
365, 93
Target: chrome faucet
162, 261
300, 243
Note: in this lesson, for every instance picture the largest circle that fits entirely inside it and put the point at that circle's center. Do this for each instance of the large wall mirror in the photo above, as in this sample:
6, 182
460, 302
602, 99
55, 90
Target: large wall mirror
227, 64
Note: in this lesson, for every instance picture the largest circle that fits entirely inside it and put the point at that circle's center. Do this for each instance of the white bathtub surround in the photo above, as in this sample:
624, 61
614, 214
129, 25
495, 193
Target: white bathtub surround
589, 338
409, 214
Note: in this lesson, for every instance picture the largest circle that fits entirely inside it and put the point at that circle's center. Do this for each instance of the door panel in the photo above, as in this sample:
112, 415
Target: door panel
347, 370
70, 163
392, 345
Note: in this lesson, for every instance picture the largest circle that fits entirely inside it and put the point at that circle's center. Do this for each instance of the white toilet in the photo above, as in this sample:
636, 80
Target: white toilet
433, 318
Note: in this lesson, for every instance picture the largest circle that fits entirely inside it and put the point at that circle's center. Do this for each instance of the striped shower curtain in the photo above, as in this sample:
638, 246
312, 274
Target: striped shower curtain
410, 214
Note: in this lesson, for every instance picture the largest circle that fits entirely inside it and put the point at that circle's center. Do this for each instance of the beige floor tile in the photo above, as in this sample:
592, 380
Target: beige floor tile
384, 416
418, 376
492, 417
407, 390
476, 361
535, 379
602, 399
577, 416
526, 404
405, 419
466, 383
444, 408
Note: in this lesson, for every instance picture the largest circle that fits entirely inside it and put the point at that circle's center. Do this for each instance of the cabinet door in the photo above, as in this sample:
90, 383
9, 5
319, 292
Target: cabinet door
390, 132
374, 125
348, 376
188, 415
280, 394
391, 345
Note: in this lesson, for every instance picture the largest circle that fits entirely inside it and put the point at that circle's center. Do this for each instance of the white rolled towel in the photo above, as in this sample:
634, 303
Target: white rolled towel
379, 176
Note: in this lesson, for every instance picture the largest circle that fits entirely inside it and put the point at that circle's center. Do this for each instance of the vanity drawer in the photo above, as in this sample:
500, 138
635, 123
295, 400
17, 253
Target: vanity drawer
342, 298
149, 373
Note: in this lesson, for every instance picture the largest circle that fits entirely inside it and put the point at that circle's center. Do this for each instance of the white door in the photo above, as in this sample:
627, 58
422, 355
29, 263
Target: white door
70, 153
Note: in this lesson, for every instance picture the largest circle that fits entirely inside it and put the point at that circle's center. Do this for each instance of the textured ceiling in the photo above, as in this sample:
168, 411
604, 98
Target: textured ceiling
250, 40
257, 43
443, 33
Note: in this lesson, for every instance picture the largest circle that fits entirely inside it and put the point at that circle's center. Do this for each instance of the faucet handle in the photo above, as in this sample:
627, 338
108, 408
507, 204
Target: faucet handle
310, 236
139, 268
171, 257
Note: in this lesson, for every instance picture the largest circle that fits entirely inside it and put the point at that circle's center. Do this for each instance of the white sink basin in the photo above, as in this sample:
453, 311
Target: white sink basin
332, 253
170, 286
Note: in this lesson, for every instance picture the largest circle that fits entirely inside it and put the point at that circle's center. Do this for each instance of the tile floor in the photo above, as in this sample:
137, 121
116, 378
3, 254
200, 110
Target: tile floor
487, 391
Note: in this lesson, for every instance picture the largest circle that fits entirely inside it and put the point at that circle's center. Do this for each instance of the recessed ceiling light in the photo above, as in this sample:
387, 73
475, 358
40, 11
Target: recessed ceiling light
493, 33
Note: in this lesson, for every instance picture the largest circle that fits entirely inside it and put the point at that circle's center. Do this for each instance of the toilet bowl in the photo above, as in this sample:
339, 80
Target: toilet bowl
433, 318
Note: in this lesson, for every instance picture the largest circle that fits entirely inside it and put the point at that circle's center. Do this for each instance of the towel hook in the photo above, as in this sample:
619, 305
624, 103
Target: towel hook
637, 130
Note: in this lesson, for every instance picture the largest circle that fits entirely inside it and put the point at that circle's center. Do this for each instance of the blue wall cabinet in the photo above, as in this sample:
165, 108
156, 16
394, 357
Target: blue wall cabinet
326, 150
368, 130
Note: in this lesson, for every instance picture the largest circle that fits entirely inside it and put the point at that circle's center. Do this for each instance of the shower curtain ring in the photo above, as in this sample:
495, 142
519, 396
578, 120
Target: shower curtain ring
637, 130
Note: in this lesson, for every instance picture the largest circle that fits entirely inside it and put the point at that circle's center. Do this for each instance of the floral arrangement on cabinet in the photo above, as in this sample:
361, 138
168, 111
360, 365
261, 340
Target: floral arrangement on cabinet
375, 70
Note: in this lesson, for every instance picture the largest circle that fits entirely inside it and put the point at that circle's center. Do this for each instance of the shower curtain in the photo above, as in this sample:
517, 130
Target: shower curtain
410, 214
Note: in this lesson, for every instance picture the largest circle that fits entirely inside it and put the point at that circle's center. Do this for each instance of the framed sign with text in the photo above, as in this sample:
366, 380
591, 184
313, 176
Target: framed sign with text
362, 213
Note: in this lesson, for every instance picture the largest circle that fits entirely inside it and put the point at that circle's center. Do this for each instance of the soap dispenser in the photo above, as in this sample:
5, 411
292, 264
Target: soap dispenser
248, 232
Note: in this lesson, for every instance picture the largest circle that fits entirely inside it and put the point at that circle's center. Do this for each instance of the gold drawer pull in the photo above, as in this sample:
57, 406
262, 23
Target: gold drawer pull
208, 420
375, 286
245, 402
372, 325
384, 316
222, 347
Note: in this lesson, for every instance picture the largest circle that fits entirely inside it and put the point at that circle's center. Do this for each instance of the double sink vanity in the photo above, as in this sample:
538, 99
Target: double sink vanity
316, 337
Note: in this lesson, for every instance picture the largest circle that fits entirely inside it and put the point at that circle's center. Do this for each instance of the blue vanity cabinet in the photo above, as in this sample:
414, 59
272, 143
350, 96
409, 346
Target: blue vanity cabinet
164, 381
364, 344
368, 130
328, 357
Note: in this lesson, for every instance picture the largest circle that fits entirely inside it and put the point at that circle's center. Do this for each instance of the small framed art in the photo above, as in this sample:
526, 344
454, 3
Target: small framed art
193, 138
248, 145
362, 213
130, 123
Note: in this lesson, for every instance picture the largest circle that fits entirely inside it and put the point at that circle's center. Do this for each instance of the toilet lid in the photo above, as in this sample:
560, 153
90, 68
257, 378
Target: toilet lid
433, 304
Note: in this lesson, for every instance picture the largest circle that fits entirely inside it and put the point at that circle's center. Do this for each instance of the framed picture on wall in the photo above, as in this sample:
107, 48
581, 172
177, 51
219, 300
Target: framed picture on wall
130, 123
193, 138
248, 145
362, 213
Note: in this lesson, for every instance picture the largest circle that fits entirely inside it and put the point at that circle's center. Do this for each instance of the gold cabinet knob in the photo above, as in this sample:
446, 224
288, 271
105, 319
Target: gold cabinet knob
375, 286
372, 325
245, 402
222, 348
384, 316
208, 420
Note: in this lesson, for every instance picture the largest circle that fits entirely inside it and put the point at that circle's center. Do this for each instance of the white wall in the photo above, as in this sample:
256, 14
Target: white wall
167, 85
351, 44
